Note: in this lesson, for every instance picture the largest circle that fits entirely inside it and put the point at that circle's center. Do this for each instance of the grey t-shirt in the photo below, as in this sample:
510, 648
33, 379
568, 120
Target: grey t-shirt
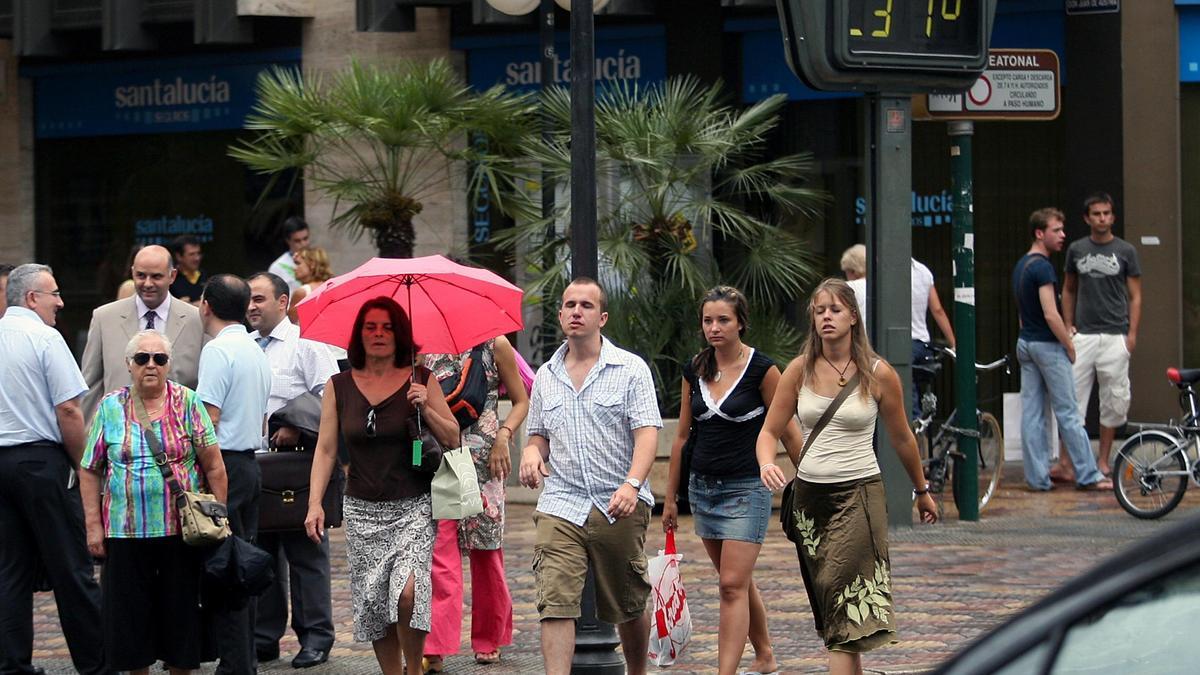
1102, 300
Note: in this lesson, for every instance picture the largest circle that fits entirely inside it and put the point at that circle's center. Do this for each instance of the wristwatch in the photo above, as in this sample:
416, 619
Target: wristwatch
922, 491
637, 484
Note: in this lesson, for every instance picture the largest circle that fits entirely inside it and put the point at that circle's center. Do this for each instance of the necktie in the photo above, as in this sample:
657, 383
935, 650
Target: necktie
263, 341
150, 320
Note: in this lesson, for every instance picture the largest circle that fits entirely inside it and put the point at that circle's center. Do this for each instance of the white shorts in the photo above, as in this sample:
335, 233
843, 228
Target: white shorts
1103, 357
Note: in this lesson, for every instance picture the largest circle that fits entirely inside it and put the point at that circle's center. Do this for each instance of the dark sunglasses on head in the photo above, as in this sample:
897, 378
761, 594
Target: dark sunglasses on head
142, 358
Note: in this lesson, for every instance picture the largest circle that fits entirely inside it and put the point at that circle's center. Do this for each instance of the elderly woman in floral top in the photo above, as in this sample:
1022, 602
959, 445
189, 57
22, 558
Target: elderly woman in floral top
482, 535
151, 579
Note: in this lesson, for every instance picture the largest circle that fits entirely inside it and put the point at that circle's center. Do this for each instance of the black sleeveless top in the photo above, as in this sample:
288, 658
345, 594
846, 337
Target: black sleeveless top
727, 430
381, 465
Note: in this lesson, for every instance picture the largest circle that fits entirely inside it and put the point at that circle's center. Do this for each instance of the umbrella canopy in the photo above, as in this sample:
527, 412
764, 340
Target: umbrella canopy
452, 307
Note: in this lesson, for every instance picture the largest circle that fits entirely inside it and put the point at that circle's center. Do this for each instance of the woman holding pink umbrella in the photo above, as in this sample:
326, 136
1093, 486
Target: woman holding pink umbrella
387, 509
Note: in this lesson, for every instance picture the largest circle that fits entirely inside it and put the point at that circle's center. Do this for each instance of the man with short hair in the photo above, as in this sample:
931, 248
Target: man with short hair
1045, 351
189, 279
235, 384
594, 415
297, 366
41, 441
150, 308
295, 234
1102, 307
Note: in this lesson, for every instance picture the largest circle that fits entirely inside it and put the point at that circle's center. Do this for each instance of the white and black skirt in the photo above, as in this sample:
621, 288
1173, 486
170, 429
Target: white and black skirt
386, 543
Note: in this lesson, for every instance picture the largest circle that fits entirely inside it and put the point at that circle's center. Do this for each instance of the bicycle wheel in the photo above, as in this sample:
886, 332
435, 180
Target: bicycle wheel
991, 457
1139, 482
990, 463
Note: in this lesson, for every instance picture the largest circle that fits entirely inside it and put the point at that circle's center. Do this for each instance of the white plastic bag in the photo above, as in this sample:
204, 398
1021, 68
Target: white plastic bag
671, 623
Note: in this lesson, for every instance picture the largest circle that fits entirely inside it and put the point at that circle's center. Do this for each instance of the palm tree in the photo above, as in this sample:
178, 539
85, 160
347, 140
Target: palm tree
682, 171
380, 141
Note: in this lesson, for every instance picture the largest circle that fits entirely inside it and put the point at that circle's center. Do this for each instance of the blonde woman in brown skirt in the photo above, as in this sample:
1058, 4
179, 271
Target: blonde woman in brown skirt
839, 505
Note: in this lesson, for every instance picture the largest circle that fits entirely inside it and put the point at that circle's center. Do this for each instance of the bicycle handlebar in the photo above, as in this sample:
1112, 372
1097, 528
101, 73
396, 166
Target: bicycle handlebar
1003, 361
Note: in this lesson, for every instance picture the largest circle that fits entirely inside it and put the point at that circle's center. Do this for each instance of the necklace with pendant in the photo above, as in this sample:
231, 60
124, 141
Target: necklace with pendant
720, 372
841, 373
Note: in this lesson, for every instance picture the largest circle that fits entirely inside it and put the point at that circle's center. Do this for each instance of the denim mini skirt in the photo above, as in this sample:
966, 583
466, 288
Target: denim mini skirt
730, 508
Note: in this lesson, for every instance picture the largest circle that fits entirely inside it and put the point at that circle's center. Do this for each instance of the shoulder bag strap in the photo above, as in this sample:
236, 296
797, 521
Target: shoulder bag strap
852, 385
160, 457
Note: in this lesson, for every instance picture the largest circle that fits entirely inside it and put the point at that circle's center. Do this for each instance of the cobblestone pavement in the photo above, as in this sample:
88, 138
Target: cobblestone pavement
953, 581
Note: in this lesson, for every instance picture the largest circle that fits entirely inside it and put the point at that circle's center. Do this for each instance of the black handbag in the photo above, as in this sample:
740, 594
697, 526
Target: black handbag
283, 501
466, 393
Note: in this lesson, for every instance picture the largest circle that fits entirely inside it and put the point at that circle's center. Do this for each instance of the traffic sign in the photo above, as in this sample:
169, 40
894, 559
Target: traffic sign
1018, 84
1092, 6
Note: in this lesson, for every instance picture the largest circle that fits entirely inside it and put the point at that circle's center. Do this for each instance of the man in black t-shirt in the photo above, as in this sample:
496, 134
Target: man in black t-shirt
1045, 352
189, 282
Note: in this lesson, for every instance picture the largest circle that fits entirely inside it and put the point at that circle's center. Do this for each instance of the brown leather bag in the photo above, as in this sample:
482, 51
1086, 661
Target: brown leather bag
283, 502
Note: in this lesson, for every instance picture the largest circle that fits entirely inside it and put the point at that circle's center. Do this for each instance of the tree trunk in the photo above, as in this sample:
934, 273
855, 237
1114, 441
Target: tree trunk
395, 240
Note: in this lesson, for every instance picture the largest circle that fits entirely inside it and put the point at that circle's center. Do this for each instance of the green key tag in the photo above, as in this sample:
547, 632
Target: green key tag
416, 452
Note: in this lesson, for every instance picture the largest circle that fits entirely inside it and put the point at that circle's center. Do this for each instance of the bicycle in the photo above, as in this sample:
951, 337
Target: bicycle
937, 440
1152, 467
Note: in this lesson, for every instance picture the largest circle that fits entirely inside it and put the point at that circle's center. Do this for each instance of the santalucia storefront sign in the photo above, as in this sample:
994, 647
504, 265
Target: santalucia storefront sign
151, 96
623, 55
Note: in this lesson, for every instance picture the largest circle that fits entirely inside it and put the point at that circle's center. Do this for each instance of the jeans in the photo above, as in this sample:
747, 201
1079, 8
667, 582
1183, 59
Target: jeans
1046, 370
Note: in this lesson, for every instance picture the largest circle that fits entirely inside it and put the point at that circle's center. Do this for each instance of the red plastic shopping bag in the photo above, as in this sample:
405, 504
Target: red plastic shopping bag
671, 624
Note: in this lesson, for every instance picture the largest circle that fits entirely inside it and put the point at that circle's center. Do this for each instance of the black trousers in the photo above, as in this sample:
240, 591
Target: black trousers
39, 516
307, 565
234, 629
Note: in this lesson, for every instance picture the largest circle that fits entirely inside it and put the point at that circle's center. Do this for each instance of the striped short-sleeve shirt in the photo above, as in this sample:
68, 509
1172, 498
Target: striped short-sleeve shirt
137, 503
590, 431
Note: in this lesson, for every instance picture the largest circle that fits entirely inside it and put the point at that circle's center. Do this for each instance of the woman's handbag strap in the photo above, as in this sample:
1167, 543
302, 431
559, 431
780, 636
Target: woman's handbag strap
160, 457
827, 415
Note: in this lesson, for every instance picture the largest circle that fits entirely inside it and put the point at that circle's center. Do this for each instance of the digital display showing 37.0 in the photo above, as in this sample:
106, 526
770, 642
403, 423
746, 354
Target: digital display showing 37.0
912, 28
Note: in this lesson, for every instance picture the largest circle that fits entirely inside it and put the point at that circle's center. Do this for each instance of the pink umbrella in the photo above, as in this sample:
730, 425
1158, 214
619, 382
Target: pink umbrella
452, 307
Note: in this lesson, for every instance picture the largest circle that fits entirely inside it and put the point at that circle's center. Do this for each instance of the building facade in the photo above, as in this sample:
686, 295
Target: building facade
115, 116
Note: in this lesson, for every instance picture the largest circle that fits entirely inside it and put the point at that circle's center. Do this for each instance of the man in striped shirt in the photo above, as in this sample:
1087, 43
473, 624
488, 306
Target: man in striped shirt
593, 429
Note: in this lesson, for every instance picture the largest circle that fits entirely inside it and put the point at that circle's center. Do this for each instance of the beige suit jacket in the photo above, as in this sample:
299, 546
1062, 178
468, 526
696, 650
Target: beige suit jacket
113, 324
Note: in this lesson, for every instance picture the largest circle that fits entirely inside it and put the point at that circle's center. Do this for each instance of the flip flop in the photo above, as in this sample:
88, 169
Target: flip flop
487, 658
432, 664
1102, 485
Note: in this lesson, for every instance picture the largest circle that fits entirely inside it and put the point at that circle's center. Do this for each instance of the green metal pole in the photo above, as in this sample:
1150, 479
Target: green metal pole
966, 472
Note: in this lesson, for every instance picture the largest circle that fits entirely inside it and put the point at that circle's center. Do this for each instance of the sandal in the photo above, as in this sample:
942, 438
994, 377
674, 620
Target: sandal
1102, 485
432, 664
487, 658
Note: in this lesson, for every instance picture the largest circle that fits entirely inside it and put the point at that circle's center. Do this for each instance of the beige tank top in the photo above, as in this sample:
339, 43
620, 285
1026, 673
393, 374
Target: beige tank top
843, 450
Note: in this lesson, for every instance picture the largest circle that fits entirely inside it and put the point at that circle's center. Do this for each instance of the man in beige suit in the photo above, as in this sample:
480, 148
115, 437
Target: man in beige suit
150, 308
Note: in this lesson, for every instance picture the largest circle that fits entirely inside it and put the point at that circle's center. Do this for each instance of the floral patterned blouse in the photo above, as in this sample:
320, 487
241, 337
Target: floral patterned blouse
486, 530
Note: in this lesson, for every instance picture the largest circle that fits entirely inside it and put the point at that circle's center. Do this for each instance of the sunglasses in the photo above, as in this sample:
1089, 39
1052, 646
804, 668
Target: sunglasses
142, 358
371, 423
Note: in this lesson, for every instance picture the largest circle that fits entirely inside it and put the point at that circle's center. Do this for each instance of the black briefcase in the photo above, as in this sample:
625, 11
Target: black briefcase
283, 503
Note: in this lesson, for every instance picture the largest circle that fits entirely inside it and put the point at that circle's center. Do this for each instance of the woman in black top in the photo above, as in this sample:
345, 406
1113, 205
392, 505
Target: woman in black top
727, 389
387, 507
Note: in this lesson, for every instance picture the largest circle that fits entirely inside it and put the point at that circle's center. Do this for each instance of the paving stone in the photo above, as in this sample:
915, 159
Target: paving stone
954, 581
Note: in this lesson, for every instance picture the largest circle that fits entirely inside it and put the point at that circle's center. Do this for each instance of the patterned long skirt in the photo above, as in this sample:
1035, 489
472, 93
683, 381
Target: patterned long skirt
386, 543
842, 546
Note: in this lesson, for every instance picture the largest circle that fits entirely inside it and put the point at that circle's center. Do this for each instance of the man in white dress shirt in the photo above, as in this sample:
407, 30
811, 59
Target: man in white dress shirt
150, 308
297, 366
41, 515
295, 233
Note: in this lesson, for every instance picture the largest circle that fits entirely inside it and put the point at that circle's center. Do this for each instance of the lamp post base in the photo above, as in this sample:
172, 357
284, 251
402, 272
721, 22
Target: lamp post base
595, 641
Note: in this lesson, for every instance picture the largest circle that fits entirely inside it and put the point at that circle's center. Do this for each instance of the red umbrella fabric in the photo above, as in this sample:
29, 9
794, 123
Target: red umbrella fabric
452, 307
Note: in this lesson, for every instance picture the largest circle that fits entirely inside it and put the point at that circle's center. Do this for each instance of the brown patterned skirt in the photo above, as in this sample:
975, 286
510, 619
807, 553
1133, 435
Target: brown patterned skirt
841, 541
